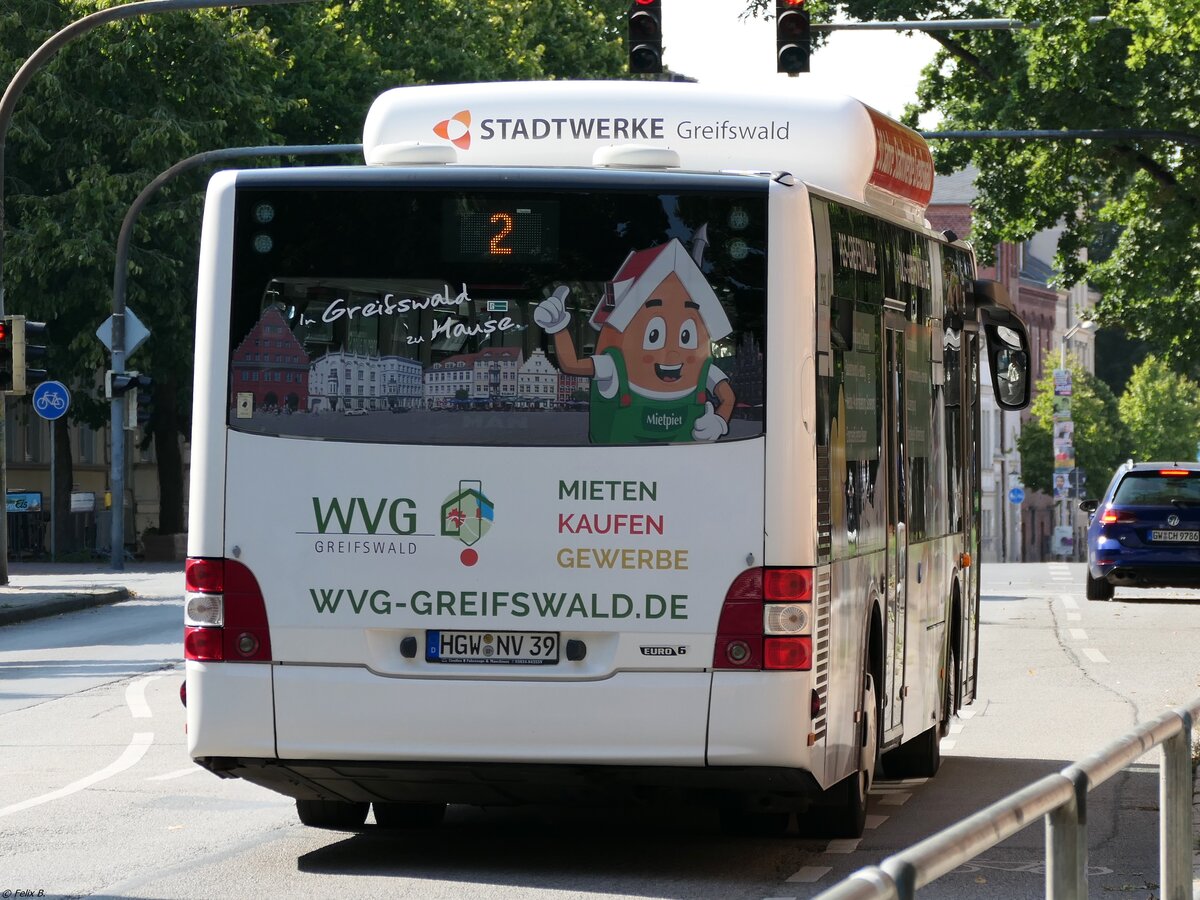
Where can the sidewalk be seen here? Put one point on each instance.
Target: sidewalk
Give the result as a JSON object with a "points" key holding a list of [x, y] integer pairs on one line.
{"points": [[35, 590]]}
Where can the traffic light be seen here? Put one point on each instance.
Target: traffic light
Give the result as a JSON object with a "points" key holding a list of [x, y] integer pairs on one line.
{"points": [[16, 352], [6, 355], [141, 403], [793, 36], [645, 37], [137, 404], [29, 345]]}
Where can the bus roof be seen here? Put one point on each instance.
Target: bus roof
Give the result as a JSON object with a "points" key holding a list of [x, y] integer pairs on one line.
{"points": [[831, 141]]}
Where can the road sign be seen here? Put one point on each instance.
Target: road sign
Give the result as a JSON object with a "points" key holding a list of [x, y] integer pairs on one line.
{"points": [[51, 399], [1016, 495], [135, 332]]}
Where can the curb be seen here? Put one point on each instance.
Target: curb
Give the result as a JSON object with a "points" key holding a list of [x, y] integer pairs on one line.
{"points": [[65, 603]]}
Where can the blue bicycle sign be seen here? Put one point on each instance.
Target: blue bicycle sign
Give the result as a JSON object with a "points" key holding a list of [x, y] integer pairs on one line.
{"points": [[51, 399]]}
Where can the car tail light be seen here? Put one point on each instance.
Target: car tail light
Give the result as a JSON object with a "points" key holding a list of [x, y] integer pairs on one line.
{"points": [[225, 615], [766, 621], [1175, 473], [1117, 516]]}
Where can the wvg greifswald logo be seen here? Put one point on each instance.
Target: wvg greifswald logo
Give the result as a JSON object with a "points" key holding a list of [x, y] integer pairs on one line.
{"points": [[467, 514]]}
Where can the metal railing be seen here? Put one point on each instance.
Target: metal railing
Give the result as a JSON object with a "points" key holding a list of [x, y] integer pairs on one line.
{"points": [[1062, 799]]}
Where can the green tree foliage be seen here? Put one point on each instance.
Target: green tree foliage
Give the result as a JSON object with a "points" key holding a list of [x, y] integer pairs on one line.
{"points": [[1134, 203], [1161, 409], [119, 106], [1101, 440]]}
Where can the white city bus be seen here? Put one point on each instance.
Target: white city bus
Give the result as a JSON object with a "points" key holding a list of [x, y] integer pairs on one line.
{"points": [[594, 439]]}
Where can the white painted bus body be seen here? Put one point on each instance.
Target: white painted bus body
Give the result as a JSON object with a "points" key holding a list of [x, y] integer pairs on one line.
{"points": [[338, 689]]}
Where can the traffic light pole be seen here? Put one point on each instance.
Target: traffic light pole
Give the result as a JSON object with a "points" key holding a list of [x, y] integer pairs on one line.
{"points": [[120, 282], [8, 103]]}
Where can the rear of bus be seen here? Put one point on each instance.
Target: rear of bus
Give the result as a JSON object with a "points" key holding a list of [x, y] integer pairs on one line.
{"points": [[477, 511]]}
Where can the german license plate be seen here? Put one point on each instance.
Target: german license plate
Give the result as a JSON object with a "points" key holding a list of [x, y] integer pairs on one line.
{"points": [[1175, 537], [504, 648]]}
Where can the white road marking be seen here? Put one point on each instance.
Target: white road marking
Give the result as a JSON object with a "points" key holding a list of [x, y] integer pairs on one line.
{"points": [[809, 874], [1094, 655], [946, 744], [1078, 634], [1070, 603], [894, 799], [178, 773], [845, 845], [131, 757], [966, 713], [875, 821], [1073, 617], [956, 727], [135, 698]]}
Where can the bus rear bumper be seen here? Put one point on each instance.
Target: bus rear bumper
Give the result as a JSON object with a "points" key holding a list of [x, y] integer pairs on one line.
{"points": [[509, 784], [630, 718]]}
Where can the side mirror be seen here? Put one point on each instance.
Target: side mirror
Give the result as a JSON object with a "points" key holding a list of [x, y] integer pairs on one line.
{"points": [[1008, 359], [1007, 344], [1089, 506]]}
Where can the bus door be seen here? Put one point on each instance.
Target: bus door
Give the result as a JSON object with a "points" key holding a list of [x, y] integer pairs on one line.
{"points": [[896, 611]]}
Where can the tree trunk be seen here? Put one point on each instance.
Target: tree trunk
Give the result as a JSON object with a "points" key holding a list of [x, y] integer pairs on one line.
{"points": [[64, 480], [166, 431]]}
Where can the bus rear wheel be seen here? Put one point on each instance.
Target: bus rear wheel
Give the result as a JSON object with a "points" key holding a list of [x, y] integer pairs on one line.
{"points": [[336, 815], [842, 811]]}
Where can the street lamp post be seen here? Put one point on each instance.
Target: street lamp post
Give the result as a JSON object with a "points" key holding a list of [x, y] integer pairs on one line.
{"points": [[120, 281], [8, 103], [1064, 445]]}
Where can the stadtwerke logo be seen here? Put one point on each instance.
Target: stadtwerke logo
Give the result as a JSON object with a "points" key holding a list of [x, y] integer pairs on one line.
{"points": [[456, 129]]}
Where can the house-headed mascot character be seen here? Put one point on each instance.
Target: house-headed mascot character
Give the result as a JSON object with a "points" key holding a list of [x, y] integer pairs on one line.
{"points": [[653, 378]]}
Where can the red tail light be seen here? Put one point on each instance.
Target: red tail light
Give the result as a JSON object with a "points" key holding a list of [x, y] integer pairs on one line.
{"points": [[1175, 473], [1114, 516], [205, 576], [742, 643], [203, 644], [787, 653], [787, 584], [244, 634]]}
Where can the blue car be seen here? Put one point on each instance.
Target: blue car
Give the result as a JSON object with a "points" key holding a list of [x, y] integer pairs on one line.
{"points": [[1145, 531]]}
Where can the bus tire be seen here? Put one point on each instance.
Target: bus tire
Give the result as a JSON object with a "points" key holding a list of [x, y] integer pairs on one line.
{"points": [[1097, 588], [950, 690], [336, 815], [409, 815], [842, 812]]}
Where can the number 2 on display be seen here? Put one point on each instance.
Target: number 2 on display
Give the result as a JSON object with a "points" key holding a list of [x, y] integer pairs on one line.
{"points": [[496, 244]]}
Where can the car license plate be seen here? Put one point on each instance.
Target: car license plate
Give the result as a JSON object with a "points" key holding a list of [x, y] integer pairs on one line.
{"points": [[1175, 537], [512, 648]]}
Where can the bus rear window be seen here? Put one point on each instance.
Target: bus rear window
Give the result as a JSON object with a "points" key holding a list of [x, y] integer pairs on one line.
{"points": [[517, 318]]}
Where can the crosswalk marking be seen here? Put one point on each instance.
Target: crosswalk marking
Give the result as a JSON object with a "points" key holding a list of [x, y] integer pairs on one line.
{"points": [[843, 845], [809, 874]]}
